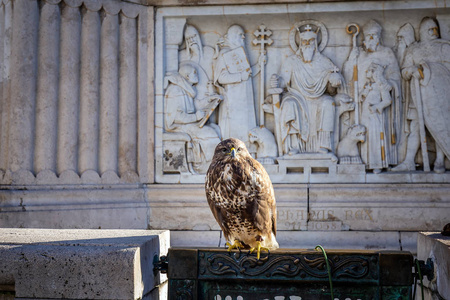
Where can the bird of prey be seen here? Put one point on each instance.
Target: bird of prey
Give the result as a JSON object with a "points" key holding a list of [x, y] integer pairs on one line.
{"points": [[241, 197]]}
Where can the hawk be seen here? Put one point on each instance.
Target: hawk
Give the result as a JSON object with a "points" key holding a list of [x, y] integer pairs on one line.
{"points": [[241, 197]]}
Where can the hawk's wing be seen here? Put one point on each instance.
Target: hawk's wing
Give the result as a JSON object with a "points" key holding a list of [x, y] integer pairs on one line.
{"points": [[214, 194], [261, 204]]}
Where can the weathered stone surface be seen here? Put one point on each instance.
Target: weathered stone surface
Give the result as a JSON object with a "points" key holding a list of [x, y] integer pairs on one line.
{"points": [[69, 207], [402, 207], [81, 264], [437, 247], [185, 207]]}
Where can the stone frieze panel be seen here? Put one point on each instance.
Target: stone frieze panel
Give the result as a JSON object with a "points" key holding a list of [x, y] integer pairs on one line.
{"points": [[320, 97]]}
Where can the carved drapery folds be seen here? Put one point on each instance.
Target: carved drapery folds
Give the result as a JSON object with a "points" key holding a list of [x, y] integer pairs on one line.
{"points": [[301, 110], [69, 91]]}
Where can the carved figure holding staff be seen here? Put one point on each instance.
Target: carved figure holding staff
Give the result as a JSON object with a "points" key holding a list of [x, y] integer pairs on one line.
{"points": [[427, 66], [372, 51], [233, 75]]}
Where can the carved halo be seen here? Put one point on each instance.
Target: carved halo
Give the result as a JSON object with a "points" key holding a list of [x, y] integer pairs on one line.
{"points": [[322, 30]]}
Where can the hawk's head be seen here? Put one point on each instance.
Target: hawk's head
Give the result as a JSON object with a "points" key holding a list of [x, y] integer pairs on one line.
{"points": [[230, 149]]}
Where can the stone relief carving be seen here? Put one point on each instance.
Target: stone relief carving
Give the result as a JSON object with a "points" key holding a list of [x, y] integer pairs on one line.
{"points": [[232, 74], [182, 116], [310, 114], [362, 60], [307, 109], [426, 71], [267, 147], [347, 150], [375, 98]]}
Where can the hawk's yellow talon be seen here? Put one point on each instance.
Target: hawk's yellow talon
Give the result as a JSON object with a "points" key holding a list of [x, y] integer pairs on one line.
{"points": [[236, 245], [258, 249]]}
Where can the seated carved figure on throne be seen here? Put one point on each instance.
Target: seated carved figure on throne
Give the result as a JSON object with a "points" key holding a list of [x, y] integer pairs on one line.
{"points": [[182, 116], [308, 110]]}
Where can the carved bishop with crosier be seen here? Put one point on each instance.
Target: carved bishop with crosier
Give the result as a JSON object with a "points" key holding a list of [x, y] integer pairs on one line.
{"points": [[308, 109]]}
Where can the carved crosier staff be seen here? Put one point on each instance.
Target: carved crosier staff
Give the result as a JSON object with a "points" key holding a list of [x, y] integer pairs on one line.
{"points": [[355, 33], [262, 33]]}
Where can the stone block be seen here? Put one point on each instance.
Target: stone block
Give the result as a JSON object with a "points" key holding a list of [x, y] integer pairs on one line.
{"points": [[408, 241], [81, 264], [402, 207], [437, 247], [184, 207], [75, 207]]}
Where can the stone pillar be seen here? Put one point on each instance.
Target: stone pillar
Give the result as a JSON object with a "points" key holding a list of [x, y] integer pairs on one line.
{"points": [[23, 84], [109, 94], [69, 91], [5, 79], [47, 89], [89, 92], [128, 96]]}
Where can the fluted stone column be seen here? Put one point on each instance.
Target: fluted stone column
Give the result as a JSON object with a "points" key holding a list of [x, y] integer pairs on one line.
{"points": [[69, 89], [23, 84], [47, 89], [128, 96], [109, 94], [89, 92], [5, 80]]}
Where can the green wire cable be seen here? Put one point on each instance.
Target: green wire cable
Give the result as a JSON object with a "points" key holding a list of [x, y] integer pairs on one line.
{"points": [[328, 268], [420, 278]]}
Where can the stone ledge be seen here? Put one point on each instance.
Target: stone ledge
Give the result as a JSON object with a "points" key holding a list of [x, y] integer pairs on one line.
{"points": [[437, 247], [355, 240], [82, 264]]}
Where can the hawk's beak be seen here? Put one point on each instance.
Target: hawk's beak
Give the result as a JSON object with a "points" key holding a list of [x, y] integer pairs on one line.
{"points": [[233, 153]]}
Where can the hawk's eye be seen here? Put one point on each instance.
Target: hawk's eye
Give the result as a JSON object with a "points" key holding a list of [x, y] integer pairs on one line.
{"points": [[239, 149], [224, 150]]}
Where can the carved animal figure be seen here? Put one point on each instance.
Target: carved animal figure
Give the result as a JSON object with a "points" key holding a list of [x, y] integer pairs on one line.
{"points": [[267, 146], [347, 150], [241, 198]]}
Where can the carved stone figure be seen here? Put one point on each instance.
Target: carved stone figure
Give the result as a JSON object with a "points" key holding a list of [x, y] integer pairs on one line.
{"points": [[200, 57], [375, 98], [307, 110], [405, 37], [347, 150], [232, 73], [181, 115], [267, 146], [195, 51], [372, 51], [427, 66]]}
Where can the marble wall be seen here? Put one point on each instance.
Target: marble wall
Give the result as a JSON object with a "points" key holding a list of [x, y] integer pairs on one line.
{"points": [[109, 111], [75, 74]]}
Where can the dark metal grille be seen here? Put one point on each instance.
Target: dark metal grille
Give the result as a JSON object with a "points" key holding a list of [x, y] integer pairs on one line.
{"points": [[289, 274]]}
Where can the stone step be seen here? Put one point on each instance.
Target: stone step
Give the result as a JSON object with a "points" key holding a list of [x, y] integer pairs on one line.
{"points": [[82, 264]]}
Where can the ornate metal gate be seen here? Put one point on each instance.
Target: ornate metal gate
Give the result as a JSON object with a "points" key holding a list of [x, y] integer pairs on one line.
{"points": [[289, 274]]}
